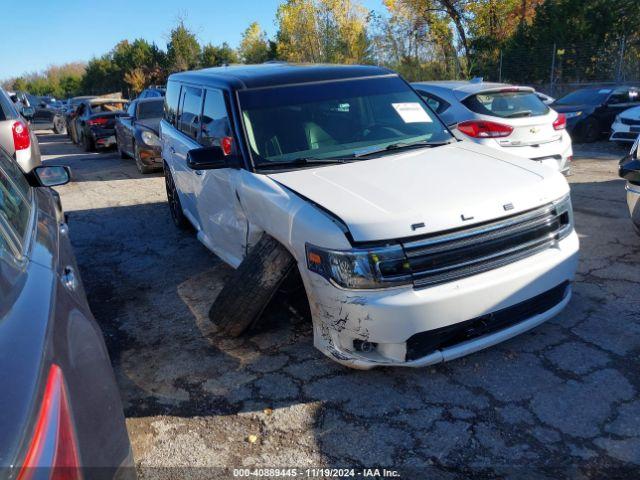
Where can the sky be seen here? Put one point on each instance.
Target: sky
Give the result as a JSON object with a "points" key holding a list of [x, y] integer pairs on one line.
{"points": [[50, 32]]}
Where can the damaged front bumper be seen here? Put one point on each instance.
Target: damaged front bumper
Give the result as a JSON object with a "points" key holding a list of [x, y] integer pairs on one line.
{"points": [[411, 327]]}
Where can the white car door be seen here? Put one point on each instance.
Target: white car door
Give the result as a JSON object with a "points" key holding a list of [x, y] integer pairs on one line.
{"points": [[222, 219]]}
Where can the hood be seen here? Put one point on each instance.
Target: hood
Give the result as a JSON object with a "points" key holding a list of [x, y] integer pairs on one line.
{"points": [[444, 188], [632, 113], [573, 108], [152, 124]]}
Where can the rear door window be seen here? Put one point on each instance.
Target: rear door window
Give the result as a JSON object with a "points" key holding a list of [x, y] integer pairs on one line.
{"points": [[436, 104], [171, 101], [189, 116], [15, 205], [215, 119], [511, 104]]}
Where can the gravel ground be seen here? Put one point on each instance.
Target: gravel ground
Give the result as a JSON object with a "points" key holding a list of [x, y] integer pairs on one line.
{"points": [[560, 400]]}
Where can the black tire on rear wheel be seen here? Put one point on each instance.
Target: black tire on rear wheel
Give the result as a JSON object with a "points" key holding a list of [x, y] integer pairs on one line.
{"points": [[175, 207], [121, 152], [251, 287], [590, 130], [88, 144]]}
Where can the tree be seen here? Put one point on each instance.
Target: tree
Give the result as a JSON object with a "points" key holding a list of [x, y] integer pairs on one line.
{"points": [[254, 47], [136, 79], [322, 31], [215, 56], [183, 49]]}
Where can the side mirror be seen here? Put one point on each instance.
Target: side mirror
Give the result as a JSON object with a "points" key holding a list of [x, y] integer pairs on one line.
{"points": [[28, 112], [52, 175], [210, 158]]}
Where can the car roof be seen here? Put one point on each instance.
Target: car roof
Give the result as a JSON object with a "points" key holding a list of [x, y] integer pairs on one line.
{"points": [[273, 74], [465, 88]]}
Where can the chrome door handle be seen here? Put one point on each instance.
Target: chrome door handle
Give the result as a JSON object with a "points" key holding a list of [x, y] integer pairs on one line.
{"points": [[69, 279], [172, 150]]}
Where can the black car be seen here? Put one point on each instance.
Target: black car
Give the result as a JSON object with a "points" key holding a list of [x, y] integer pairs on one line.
{"points": [[137, 133], [60, 409], [69, 114], [95, 120], [591, 111]]}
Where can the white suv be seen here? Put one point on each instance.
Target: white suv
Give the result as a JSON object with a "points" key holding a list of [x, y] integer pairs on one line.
{"points": [[511, 118], [413, 247]]}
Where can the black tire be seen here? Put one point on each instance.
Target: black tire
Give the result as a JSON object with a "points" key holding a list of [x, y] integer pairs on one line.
{"points": [[88, 144], [251, 287], [175, 207], [590, 131], [121, 152]]}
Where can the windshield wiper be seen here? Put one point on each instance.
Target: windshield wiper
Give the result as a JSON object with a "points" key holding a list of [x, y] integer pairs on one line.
{"points": [[302, 161], [400, 146]]}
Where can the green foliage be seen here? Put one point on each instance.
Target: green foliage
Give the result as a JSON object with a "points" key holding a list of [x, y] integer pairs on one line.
{"points": [[254, 47], [183, 49], [216, 56]]}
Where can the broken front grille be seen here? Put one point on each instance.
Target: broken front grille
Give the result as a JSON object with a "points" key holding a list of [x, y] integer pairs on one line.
{"points": [[467, 252]]}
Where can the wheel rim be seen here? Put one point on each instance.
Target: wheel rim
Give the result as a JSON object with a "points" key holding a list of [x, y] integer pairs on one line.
{"points": [[172, 197]]}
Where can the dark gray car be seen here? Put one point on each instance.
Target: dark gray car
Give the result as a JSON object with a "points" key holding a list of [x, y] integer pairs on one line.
{"points": [[59, 402]]}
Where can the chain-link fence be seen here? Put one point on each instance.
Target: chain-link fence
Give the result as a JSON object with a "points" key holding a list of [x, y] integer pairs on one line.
{"points": [[557, 69]]}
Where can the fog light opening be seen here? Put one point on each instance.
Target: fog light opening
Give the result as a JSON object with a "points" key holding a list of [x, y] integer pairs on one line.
{"points": [[364, 346]]}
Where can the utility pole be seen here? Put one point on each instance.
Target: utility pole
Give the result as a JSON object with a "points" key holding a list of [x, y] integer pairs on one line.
{"points": [[553, 68], [500, 73], [620, 60]]}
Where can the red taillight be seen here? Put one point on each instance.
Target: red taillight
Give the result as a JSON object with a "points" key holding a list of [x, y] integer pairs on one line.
{"points": [[560, 122], [484, 129], [226, 144], [21, 139], [53, 445], [97, 122]]}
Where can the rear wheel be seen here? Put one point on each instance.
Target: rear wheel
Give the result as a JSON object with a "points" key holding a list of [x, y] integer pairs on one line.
{"points": [[121, 152], [88, 143], [590, 130], [59, 126], [175, 207], [251, 287]]}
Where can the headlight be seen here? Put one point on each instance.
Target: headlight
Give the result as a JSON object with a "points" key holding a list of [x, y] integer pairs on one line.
{"points": [[360, 268], [564, 212], [150, 139], [572, 114]]}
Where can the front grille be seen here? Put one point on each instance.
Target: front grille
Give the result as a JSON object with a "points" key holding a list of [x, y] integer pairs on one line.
{"points": [[629, 121], [462, 253], [423, 343]]}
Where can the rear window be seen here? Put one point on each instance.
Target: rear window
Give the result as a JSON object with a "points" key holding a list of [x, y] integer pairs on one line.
{"points": [[107, 107], [506, 104], [150, 109], [171, 102]]}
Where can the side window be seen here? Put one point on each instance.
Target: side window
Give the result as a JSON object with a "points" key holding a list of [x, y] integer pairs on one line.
{"points": [[15, 174], [14, 207], [131, 111], [171, 103], [215, 119], [189, 115], [435, 103]]}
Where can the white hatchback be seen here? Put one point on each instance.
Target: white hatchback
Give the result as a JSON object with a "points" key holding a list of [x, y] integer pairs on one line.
{"points": [[510, 118]]}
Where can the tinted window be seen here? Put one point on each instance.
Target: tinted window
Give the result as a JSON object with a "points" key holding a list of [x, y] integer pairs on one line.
{"points": [[586, 96], [171, 102], [623, 95], [190, 108], [506, 104], [215, 119], [333, 119], [150, 109], [108, 107], [435, 103], [15, 174], [14, 206]]}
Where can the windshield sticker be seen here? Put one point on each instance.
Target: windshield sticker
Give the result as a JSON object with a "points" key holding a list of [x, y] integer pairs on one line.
{"points": [[605, 90], [412, 112]]}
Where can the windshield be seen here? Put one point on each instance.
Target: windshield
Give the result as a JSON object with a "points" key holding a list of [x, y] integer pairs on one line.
{"points": [[150, 109], [511, 104], [336, 119], [587, 96]]}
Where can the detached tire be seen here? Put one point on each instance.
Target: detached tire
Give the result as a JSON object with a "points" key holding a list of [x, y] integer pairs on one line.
{"points": [[251, 287]]}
